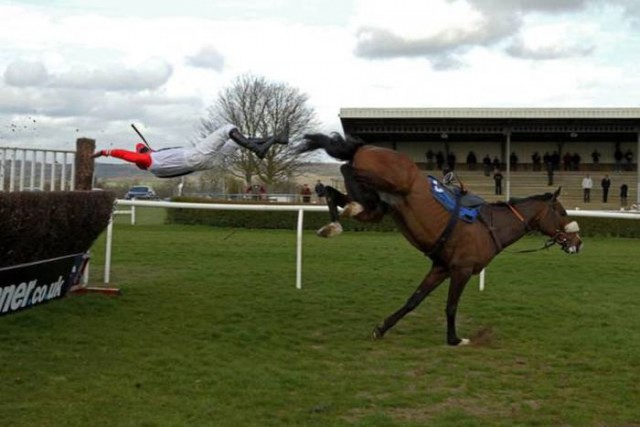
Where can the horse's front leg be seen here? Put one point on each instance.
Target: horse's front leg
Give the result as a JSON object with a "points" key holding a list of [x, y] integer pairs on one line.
{"points": [[435, 277], [335, 199], [459, 279]]}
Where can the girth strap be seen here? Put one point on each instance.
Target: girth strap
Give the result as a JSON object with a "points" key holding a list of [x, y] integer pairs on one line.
{"points": [[453, 220]]}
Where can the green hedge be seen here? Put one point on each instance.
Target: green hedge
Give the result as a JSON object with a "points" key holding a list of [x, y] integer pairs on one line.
{"points": [[314, 220], [42, 225]]}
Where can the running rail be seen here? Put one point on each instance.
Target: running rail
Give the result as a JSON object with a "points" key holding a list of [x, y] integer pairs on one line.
{"points": [[300, 209]]}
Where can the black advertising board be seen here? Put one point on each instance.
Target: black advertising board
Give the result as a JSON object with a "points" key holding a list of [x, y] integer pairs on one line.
{"points": [[25, 285]]}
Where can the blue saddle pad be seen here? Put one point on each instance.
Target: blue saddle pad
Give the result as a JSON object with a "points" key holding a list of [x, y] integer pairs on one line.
{"points": [[447, 198]]}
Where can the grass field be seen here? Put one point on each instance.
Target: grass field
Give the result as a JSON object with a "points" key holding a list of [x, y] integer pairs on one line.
{"points": [[211, 331]]}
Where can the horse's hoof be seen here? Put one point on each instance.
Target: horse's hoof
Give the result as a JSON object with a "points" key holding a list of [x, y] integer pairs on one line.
{"points": [[377, 333], [352, 209], [330, 230], [460, 342], [464, 341]]}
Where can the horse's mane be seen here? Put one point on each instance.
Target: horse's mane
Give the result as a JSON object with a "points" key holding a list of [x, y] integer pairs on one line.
{"points": [[515, 200]]}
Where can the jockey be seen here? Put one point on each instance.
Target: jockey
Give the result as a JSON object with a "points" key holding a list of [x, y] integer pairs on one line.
{"points": [[178, 161]]}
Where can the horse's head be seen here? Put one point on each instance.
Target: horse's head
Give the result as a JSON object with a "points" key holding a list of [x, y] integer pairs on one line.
{"points": [[554, 222]]}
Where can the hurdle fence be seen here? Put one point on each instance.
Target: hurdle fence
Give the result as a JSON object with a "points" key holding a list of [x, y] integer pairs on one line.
{"points": [[301, 209], [23, 169]]}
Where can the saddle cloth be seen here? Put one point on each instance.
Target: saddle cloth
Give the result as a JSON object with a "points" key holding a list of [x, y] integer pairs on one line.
{"points": [[447, 196]]}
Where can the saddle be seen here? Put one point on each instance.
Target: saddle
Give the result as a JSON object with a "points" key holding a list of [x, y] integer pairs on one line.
{"points": [[452, 199]]}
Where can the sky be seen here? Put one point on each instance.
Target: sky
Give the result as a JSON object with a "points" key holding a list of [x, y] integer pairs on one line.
{"points": [[90, 68]]}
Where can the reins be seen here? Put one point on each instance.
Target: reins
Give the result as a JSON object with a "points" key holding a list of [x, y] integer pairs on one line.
{"points": [[550, 242]]}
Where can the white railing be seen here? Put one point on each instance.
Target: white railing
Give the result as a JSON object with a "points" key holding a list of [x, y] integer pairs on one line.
{"points": [[213, 206], [300, 209], [32, 169]]}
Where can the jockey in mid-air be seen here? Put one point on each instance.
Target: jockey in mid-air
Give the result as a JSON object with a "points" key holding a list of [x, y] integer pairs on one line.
{"points": [[178, 161]]}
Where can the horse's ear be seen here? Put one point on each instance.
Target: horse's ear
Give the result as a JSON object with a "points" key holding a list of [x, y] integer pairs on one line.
{"points": [[557, 193]]}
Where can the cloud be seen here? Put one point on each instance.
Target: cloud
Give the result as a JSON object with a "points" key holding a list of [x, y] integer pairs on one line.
{"points": [[520, 49], [25, 73], [113, 77], [207, 57], [451, 28]]}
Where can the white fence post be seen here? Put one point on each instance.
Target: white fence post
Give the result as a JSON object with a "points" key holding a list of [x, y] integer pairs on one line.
{"points": [[299, 249], [53, 172], [107, 252], [23, 158], [42, 167]]}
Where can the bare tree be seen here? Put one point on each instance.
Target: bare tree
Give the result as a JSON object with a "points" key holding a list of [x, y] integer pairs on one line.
{"points": [[260, 108]]}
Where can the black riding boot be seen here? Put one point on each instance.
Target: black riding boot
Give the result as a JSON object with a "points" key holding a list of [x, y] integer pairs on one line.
{"points": [[257, 145]]}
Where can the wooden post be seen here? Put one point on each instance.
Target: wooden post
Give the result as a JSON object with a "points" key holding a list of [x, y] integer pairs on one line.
{"points": [[84, 163]]}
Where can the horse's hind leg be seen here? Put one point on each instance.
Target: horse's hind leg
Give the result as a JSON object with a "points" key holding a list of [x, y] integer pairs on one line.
{"points": [[435, 277], [335, 199], [459, 279]]}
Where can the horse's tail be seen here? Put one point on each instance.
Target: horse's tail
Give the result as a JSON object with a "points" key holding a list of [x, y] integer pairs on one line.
{"points": [[335, 145]]}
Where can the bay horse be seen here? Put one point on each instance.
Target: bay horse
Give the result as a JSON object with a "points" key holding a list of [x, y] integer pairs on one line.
{"points": [[381, 181]]}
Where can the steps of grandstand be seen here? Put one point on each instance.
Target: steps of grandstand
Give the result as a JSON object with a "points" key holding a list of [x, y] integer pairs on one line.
{"points": [[527, 183]]}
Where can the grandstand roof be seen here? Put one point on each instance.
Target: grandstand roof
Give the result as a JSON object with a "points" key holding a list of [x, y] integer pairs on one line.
{"points": [[533, 124]]}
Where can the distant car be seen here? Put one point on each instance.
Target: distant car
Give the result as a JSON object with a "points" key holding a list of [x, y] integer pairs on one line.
{"points": [[140, 192]]}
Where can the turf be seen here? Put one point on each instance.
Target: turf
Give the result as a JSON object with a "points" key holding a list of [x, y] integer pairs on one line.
{"points": [[210, 330]]}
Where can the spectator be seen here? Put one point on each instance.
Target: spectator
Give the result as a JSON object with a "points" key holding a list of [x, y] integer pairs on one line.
{"points": [[471, 161], [321, 192], [575, 162], [605, 184], [513, 159], [486, 164], [497, 178], [595, 156], [451, 161], [429, 155], [628, 156], [535, 159], [618, 156], [587, 185], [439, 160], [496, 163], [555, 160], [549, 173], [566, 161], [305, 192], [624, 188]]}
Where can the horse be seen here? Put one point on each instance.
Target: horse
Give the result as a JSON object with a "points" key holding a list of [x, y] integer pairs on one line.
{"points": [[381, 181]]}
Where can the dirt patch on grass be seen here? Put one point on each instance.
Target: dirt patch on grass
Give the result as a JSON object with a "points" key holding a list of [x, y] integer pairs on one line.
{"points": [[483, 337]]}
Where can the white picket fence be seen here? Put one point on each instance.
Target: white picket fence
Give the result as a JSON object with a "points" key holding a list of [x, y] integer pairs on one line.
{"points": [[23, 169], [294, 208]]}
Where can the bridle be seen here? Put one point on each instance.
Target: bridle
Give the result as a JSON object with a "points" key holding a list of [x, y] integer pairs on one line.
{"points": [[558, 236]]}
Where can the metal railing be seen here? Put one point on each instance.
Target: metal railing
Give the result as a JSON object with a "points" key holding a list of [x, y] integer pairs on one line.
{"points": [[23, 169]]}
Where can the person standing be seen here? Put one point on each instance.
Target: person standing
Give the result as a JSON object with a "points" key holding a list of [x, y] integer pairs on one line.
{"points": [[321, 192], [497, 178], [587, 185], [305, 192], [624, 189], [549, 172], [486, 163], [605, 184]]}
